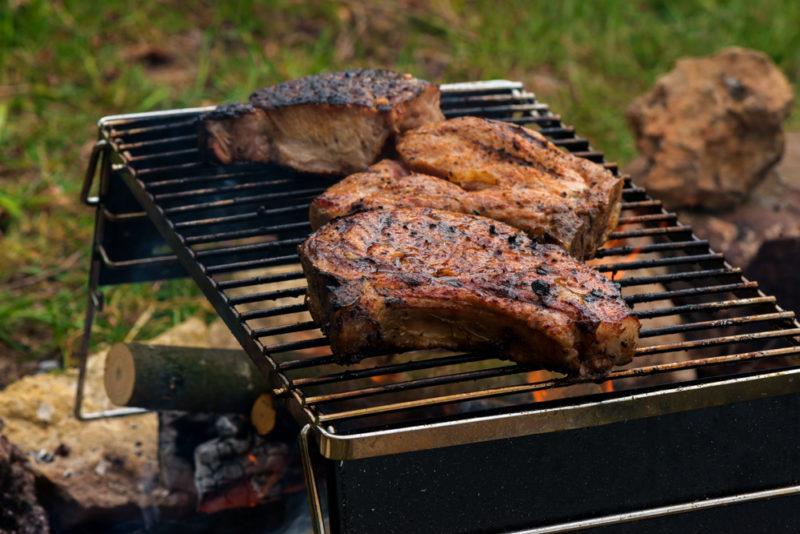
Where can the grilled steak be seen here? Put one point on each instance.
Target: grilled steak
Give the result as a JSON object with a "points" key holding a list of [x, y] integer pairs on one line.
{"points": [[418, 278], [523, 180], [328, 123], [389, 184]]}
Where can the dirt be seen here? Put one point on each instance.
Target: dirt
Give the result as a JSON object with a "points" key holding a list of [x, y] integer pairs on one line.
{"points": [[20, 511], [96, 472]]}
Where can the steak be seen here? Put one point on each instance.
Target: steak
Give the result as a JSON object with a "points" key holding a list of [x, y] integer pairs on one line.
{"points": [[418, 278], [523, 180], [388, 184], [333, 123]]}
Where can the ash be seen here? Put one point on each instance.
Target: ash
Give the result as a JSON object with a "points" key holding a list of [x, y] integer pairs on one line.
{"points": [[239, 467]]}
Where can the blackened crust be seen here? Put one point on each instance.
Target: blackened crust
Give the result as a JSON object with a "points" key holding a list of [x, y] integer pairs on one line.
{"points": [[371, 88], [406, 279], [227, 111]]}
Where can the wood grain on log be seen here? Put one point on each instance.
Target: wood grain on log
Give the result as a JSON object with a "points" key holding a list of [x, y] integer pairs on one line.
{"points": [[159, 377]]}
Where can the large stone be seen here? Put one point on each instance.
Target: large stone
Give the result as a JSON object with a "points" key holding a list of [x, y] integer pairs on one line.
{"points": [[711, 129], [101, 471], [771, 212]]}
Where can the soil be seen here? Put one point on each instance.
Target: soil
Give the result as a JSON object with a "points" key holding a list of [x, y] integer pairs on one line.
{"points": [[20, 511]]}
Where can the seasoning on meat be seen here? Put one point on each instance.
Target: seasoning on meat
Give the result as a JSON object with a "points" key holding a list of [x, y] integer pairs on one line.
{"points": [[327, 123], [418, 278], [498, 170]]}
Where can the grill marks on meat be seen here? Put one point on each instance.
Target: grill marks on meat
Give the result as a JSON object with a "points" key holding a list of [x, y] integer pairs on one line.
{"points": [[407, 279], [332, 123], [388, 184], [523, 180], [482, 167]]}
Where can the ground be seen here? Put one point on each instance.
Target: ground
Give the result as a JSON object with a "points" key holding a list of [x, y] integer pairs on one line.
{"points": [[64, 64]]}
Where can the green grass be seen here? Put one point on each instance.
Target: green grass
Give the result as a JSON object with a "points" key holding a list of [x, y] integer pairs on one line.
{"points": [[63, 64]]}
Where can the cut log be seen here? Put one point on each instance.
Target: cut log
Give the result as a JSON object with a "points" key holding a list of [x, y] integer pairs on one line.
{"points": [[262, 415], [159, 377]]}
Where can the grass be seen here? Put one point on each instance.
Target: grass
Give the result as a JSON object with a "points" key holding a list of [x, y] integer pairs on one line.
{"points": [[63, 64]]}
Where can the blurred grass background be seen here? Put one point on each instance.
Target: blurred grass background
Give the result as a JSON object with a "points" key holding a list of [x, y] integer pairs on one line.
{"points": [[64, 64]]}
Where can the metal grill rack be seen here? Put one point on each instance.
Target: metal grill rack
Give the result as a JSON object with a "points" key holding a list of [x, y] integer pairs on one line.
{"points": [[235, 229]]}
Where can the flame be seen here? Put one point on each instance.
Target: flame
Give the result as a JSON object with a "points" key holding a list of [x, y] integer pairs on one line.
{"points": [[252, 458], [549, 394], [542, 394], [607, 386], [385, 379], [616, 275], [379, 379]]}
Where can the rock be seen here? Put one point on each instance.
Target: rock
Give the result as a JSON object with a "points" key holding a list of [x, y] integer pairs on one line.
{"points": [[73, 490], [771, 212], [100, 471], [46, 366], [711, 129], [44, 412], [20, 510], [769, 267]]}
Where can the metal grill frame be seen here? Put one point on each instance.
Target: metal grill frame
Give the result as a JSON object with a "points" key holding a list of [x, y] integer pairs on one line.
{"points": [[116, 167]]}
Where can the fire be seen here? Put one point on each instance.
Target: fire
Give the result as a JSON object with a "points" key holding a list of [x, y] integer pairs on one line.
{"points": [[607, 386], [616, 275], [542, 394], [611, 275], [381, 379], [549, 394]]}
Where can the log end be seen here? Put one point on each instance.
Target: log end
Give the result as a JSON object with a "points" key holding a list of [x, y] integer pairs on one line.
{"points": [[263, 414], [119, 375]]}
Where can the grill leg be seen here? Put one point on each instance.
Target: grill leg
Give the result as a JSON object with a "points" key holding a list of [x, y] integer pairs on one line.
{"points": [[314, 501], [94, 304]]}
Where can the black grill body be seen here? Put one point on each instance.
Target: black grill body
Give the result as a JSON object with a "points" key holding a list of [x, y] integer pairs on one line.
{"points": [[562, 477]]}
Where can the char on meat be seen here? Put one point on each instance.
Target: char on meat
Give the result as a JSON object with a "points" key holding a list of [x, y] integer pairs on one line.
{"points": [[333, 123], [419, 278], [490, 168]]}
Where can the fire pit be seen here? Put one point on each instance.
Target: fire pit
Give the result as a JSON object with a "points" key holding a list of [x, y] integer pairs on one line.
{"points": [[443, 442]]}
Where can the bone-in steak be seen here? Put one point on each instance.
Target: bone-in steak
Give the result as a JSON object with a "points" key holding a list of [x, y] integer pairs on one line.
{"points": [[327, 123], [523, 180], [389, 184], [406, 279]]}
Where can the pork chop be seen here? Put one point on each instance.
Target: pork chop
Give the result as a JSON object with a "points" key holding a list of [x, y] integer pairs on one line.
{"points": [[389, 184], [525, 180], [333, 123], [418, 278]]}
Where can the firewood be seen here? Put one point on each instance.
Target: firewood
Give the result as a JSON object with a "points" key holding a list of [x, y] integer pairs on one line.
{"points": [[159, 377], [262, 415]]}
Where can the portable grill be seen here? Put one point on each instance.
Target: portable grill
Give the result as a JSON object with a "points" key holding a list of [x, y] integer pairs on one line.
{"points": [[441, 442]]}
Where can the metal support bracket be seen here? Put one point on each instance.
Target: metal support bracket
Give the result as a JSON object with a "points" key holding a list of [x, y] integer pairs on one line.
{"points": [[98, 150], [314, 502], [94, 302]]}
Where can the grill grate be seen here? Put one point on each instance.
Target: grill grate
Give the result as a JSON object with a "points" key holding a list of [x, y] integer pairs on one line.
{"points": [[235, 230]]}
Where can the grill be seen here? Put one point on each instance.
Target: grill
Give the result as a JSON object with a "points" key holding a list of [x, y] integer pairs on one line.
{"points": [[163, 212]]}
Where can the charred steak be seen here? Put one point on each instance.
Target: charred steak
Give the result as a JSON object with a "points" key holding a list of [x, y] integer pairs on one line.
{"points": [[522, 179], [389, 184], [327, 123], [418, 278]]}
